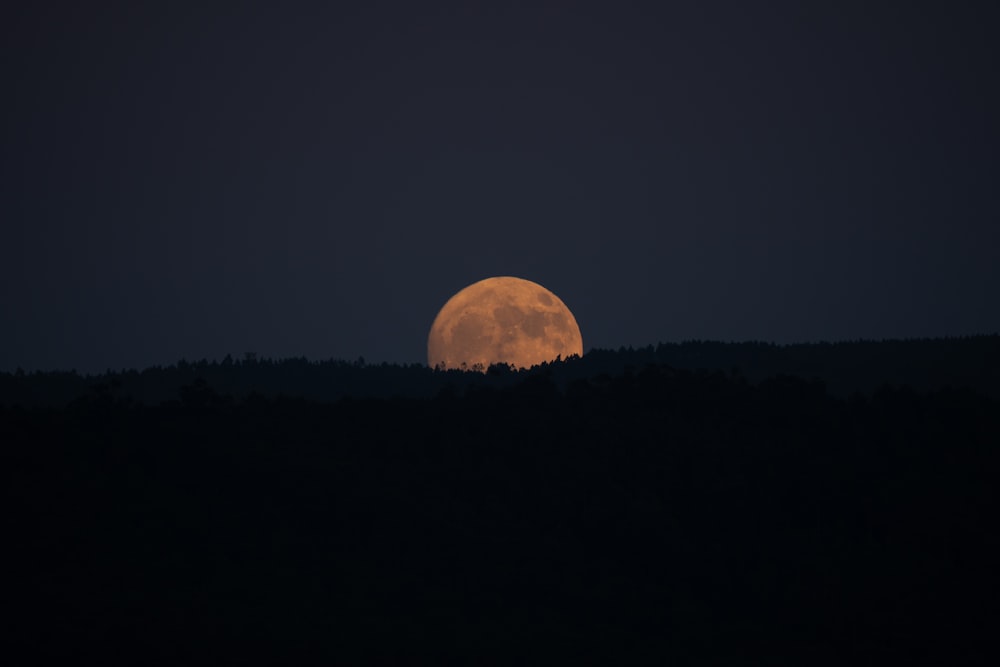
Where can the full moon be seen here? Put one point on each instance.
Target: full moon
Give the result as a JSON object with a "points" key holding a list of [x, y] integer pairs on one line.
{"points": [[502, 320]]}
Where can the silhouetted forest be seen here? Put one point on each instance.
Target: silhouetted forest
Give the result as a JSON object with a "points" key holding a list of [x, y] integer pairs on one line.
{"points": [[698, 503], [849, 367]]}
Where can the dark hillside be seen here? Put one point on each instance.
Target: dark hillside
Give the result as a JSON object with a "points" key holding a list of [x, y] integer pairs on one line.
{"points": [[657, 515]]}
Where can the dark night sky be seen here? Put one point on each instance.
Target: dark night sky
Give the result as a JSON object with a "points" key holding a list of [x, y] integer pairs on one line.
{"points": [[318, 178]]}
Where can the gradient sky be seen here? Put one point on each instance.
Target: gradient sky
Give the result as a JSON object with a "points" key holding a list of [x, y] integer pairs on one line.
{"points": [[318, 179]]}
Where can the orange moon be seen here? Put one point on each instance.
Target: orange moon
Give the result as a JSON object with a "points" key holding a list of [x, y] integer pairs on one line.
{"points": [[502, 320]]}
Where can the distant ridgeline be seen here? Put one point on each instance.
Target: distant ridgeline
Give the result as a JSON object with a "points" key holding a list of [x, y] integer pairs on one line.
{"points": [[700, 503], [845, 368]]}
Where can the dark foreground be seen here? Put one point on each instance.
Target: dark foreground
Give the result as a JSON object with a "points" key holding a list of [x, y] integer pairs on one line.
{"points": [[661, 515]]}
